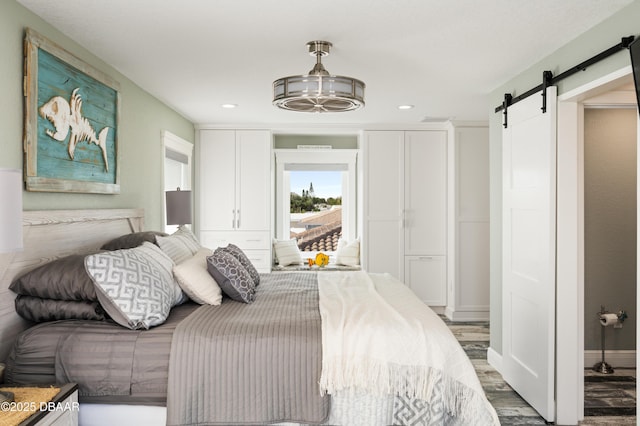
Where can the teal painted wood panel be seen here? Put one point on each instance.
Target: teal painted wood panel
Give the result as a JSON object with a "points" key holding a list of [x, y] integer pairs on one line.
{"points": [[99, 107]]}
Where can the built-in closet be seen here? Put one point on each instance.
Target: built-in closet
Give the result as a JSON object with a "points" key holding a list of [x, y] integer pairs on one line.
{"points": [[422, 212], [233, 192], [405, 232], [426, 216]]}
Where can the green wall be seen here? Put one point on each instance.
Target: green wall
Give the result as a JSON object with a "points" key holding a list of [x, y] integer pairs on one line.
{"points": [[142, 118], [289, 141], [599, 38]]}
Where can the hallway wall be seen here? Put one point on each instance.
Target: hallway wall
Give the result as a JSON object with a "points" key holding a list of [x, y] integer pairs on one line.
{"points": [[610, 223]]}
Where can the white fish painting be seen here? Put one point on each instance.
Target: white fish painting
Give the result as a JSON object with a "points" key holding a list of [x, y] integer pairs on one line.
{"points": [[67, 117]]}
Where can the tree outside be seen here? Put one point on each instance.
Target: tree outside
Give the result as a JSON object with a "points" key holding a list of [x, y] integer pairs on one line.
{"points": [[306, 203]]}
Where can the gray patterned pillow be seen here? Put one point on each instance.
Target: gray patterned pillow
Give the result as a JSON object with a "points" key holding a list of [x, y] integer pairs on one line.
{"points": [[237, 252], [231, 276], [179, 246], [135, 286]]}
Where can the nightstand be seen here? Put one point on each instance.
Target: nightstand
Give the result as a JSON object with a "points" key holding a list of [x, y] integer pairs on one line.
{"points": [[62, 410]]}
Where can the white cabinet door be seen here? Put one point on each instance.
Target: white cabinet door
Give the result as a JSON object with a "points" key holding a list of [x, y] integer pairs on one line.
{"points": [[253, 207], [425, 189], [469, 224], [383, 183], [405, 178], [216, 184], [234, 180], [426, 276]]}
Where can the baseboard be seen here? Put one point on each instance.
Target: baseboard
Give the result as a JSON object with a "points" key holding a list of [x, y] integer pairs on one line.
{"points": [[619, 358], [448, 312], [471, 315], [494, 359]]}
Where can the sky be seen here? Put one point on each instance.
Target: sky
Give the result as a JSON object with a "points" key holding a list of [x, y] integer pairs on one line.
{"points": [[325, 184]]}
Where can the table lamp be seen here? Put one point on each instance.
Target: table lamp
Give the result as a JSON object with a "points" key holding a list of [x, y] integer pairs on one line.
{"points": [[178, 207]]}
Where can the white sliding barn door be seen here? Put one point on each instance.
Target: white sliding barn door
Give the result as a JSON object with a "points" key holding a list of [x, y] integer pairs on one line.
{"points": [[529, 251]]}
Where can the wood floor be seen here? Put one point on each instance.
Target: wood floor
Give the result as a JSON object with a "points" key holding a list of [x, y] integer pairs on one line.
{"points": [[609, 399]]}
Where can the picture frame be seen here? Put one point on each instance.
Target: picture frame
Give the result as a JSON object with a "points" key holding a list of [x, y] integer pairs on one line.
{"points": [[71, 131]]}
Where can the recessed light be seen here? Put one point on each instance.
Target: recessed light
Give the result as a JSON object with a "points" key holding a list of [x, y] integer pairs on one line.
{"points": [[229, 106], [405, 106]]}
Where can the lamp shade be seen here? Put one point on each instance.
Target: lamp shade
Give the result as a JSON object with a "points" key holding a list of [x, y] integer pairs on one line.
{"points": [[178, 207], [10, 210]]}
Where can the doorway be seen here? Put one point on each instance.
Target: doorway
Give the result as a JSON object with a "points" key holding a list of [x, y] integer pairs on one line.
{"points": [[571, 238], [610, 230], [610, 165]]}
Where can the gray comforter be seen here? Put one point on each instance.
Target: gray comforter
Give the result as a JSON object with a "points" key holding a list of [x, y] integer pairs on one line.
{"points": [[250, 363], [110, 363]]}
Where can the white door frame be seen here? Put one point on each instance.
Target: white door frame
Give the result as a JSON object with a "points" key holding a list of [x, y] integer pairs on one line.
{"points": [[570, 247]]}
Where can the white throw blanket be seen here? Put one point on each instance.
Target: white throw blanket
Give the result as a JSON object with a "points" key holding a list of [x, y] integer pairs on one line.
{"points": [[377, 336]]}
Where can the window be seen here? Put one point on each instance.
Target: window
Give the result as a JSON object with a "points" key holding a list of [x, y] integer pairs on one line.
{"points": [[177, 168], [338, 162], [315, 208]]}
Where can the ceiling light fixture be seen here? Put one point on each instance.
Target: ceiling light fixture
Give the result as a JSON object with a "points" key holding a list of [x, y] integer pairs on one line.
{"points": [[318, 91], [405, 106]]}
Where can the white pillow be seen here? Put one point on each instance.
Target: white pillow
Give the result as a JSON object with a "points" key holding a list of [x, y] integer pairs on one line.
{"points": [[348, 253], [287, 252], [195, 280]]}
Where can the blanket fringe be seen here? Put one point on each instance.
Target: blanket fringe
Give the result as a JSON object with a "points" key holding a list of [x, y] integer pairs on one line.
{"points": [[377, 377], [414, 382], [466, 405]]}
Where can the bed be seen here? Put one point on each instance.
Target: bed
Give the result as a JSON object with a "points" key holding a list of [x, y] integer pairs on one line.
{"points": [[307, 348]]}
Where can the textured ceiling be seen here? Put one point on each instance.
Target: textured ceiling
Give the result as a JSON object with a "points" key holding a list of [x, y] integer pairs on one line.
{"points": [[443, 56]]}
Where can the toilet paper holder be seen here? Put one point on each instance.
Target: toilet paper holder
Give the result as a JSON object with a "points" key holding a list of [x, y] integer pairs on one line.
{"points": [[608, 318]]}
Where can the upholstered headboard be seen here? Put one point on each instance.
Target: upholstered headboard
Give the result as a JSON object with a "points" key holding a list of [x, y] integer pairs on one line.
{"points": [[51, 234]]}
